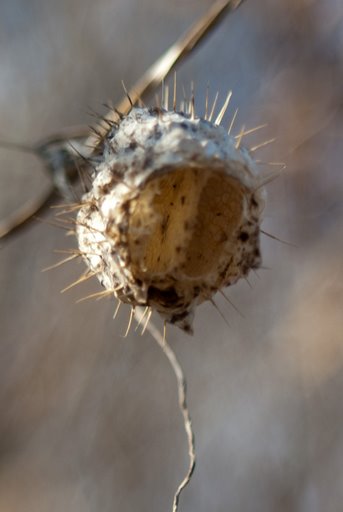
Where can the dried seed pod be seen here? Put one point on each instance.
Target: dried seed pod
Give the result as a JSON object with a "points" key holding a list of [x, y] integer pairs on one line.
{"points": [[173, 214]]}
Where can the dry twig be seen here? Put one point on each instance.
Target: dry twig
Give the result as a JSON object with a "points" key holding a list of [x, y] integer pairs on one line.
{"points": [[182, 396], [56, 149]]}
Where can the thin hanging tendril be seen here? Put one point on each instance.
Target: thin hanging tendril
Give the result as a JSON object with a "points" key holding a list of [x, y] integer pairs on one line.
{"points": [[182, 398]]}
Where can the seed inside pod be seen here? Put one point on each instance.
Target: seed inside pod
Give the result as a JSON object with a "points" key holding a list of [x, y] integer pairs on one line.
{"points": [[173, 214]]}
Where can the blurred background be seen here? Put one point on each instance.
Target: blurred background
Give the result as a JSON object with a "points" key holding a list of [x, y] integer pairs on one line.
{"points": [[89, 420]]}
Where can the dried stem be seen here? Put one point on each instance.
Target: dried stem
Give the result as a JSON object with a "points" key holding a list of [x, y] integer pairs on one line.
{"points": [[162, 67], [54, 148], [25, 212], [182, 396]]}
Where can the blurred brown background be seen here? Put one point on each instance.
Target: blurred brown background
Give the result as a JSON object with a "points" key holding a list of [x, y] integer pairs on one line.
{"points": [[89, 420]]}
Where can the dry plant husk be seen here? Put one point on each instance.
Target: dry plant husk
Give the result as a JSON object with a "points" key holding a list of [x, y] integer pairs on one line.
{"points": [[173, 214]]}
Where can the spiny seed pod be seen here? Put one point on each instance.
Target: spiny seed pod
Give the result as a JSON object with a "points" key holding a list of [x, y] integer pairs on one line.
{"points": [[173, 214]]}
